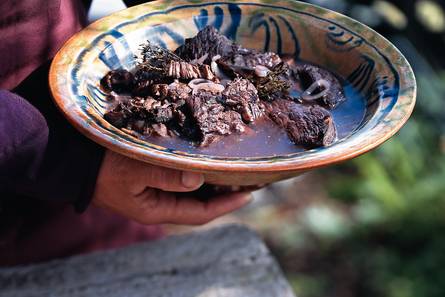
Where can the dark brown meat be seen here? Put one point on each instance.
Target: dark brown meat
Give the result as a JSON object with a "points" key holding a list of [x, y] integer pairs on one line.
{"points": [[187, 71], [308, 74], [206, 72], [162, 114], [183, 70], [241, 96], [145, 77], [159, 90], [207, 42], [116, 118], [211, 121], [309, 126], [126, 111], [160, 130], [136, 110], [119, 81], [250, 58], [178, 91], [178, 94], [212, 43]]}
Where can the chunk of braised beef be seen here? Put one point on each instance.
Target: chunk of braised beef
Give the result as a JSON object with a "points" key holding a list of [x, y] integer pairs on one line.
{"points": [[150, 103], [206, 72], [162, 112], [160, 130], [232, 71], [187, 71], [208, 42], [123, 111], [137, 125], [142, 88], [210, 119], [159, 90], [135, 107], [116, 118], [180, 118], [241, 96], [119, 81], [144, 78], [309, 126], [250, 58], [178, 91], [183, 70], [309, 74]]}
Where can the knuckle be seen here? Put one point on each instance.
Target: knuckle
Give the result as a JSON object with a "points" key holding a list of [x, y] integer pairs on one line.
{"points": [[149, 200], [165, 179]]}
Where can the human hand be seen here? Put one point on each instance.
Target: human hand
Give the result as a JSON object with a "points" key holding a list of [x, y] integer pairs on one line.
{"points": [[146, 193]]}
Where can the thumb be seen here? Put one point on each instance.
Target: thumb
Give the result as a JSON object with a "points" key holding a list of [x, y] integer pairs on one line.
{"points": [[166, 179]]}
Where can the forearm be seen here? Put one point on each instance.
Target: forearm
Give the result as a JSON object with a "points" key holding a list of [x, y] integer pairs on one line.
{"points": [[42, 156], [23, 139]]}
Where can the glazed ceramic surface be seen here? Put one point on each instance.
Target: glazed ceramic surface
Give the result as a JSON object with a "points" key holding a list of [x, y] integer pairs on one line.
{"points": [[357, 53]]}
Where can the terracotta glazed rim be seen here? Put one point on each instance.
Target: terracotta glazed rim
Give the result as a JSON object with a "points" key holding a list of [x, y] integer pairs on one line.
{"points": [[180, 160]]}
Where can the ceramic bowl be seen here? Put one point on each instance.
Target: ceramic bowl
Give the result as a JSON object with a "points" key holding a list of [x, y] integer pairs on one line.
{"points": [[352, 50]]}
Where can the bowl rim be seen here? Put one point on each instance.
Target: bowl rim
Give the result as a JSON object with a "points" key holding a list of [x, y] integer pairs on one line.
{"points": [[197, 162]]}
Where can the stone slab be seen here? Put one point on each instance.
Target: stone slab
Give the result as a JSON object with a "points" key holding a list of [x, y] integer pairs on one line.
{"points": [[229, 261]]}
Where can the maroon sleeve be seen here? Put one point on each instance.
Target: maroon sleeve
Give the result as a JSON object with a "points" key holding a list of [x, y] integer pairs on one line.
{"points": [[41, 156]]}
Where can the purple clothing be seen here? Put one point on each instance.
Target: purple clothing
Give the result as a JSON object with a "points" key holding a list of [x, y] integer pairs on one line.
{"points": [[22, 145], [45, 164], [43, 158], [31, 32]]}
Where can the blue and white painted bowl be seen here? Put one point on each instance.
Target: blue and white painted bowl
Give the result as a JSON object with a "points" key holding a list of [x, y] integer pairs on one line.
{"points": [[352, 50]]}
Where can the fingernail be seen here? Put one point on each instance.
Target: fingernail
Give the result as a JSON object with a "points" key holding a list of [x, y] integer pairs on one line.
{"points": [[192, 179]]}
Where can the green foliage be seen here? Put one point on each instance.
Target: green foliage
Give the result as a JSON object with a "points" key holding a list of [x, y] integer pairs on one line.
{"points": [[310, 285]]}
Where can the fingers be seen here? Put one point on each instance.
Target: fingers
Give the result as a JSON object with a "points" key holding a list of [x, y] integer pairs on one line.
{"points": [[146, 193], [190, 211], [138, 175], [166, 179], [156, 206]]}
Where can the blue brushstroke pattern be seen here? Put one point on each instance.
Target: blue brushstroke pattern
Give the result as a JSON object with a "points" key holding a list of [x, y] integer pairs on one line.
{"points": [[278, 32], [202, 19], [108, 56], [294, 37], [255, 23], [219, 17], [341, 45], [235, 21], [360, 77]]}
